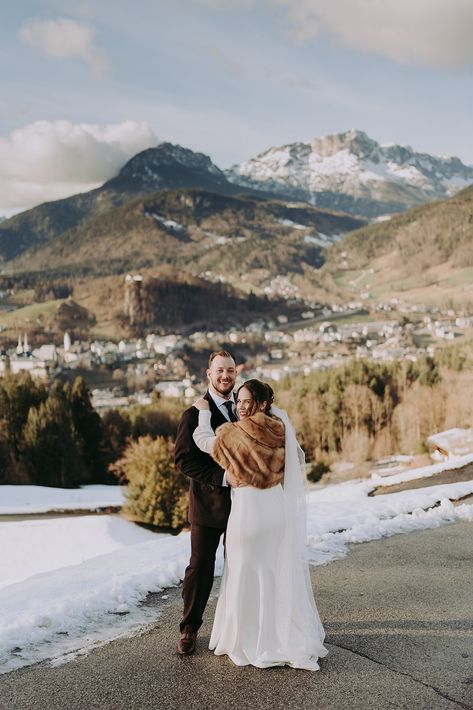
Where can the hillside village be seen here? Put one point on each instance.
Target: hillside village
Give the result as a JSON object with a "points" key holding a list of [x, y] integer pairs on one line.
{"points": [[128, 370]]}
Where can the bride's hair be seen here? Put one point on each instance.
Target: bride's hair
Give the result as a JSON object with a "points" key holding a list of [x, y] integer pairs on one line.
{"points": [[260, 391]]}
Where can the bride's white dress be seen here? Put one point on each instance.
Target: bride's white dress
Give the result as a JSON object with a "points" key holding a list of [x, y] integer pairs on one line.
{"points": [[266, 614]]}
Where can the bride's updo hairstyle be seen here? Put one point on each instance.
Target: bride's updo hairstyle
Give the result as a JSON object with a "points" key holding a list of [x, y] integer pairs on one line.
{"points": [[260, 391]]}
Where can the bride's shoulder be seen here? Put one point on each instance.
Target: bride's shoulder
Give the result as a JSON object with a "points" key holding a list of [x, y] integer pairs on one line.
{"points": [[278, 412], [276, 422]]}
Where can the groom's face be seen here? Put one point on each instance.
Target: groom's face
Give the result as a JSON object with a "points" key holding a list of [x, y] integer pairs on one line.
{"points": [[222, 375]]}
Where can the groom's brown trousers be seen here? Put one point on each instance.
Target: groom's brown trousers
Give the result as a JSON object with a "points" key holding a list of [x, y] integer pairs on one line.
{"points": [[199, 575]]}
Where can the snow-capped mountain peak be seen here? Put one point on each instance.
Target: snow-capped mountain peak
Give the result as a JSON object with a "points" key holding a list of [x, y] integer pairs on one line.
{"points": [[353, 172]]}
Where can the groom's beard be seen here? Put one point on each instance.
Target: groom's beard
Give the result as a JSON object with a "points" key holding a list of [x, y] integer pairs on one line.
{"points": [[222, 389]]}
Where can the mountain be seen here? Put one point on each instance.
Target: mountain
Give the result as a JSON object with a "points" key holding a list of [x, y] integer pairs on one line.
{"points": [[170, 208], [347, 172], [204, 258], [241, 239], [169, 205], [424, 255], [351, 172], [165, 167]]}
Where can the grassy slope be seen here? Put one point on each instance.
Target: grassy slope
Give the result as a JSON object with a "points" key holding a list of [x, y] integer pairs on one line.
{"points": [[424, 255]]}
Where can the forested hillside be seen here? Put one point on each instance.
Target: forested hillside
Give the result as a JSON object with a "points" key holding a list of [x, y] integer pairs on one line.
{"points": [[364, 410]]}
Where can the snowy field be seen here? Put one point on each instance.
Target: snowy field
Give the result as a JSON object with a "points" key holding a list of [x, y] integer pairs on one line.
{"points": [[71, 583], [16, 500]]}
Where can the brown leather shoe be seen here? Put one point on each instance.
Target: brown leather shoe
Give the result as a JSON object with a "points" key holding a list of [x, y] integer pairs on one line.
{"points": [[186, 644]]}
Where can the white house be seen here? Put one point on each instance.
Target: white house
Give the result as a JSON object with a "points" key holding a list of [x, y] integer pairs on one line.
{"points": [[451, 443]]}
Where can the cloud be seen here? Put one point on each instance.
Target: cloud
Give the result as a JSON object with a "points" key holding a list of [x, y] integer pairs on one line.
{"points": [[65, 39], [438, 33], [47, 160], [435, 33]]}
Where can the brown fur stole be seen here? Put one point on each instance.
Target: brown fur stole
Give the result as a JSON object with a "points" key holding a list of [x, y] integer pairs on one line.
{"points": [[252, 449]]}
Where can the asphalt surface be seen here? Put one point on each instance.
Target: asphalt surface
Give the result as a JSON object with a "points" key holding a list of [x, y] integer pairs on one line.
{"points": [[399, 620]]}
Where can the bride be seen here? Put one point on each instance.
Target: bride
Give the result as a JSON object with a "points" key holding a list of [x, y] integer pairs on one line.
{"points": [[266, 614]]}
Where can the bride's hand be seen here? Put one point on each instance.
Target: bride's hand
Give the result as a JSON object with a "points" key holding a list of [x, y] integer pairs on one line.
{"points": [[201, 403]]}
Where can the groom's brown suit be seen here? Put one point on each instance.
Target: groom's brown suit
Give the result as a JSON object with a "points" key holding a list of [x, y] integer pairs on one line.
{"points": [[209, 508]]}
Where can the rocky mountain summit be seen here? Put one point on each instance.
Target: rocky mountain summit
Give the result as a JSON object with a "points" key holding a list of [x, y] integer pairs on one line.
{"points": [[169, 166], [351, 172]]}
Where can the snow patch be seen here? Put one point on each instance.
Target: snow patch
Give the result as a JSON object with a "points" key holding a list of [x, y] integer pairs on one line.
{"points": [[168, 223], [293, 225]]}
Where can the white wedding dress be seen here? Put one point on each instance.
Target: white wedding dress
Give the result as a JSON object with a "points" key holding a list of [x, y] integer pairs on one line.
{"points": [[266, 614]]}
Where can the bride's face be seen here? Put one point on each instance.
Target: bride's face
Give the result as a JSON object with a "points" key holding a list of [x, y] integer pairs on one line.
{"points": [[246, 405]]}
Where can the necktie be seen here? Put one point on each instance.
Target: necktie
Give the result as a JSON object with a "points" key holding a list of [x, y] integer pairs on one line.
{"points": [[229, 407]]}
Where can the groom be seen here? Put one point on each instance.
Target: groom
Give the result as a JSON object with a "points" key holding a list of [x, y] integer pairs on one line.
{"points": [[209, 495]]}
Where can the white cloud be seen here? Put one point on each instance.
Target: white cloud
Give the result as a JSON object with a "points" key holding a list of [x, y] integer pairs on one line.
{"points": [[433, 32], [436, 33], [65, 39], [47, 160]]}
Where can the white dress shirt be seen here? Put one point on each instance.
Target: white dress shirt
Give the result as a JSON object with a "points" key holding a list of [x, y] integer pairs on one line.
{"points": [[220, 402]]}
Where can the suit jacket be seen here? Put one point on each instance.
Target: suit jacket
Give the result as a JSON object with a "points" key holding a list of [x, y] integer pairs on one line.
{"points": [[209, 501]]}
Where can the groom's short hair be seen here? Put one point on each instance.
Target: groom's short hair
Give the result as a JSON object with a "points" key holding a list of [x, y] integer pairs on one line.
{"points": [[222, 353]]}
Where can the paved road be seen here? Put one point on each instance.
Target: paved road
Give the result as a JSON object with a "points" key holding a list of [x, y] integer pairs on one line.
{"points": [[399, 621]]}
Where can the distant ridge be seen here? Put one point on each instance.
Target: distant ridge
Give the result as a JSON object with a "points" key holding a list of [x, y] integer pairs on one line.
{"points": [[165, 167], [205, 231]]}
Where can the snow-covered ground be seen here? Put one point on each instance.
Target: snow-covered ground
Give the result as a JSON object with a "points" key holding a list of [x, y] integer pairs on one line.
{"points": [[42, 499], [30, 547], [71, 583]]}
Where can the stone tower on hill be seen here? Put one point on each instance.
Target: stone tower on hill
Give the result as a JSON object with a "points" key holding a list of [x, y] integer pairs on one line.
{"points": [[132, 302]]}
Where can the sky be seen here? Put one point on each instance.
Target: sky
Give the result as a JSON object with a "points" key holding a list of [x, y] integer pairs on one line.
{"points": [[87, 84]]}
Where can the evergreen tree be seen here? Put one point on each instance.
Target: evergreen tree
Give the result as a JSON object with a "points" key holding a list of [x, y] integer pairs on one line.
{"points": [[116, 423], [160, 418], [5, 473], [89, 432], [18, 394], [49, 450]]}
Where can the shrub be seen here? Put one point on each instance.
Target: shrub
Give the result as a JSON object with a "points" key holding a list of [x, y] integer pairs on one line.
{"points": [[157, 492]]}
